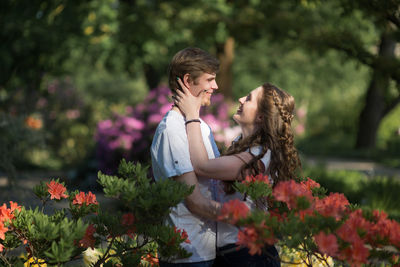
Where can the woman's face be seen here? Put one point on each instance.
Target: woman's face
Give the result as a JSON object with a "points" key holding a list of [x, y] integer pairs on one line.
{"points": [[247, 111]]}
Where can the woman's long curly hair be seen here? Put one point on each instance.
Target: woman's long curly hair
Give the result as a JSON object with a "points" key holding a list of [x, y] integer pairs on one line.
{"points": [[274, 132]]}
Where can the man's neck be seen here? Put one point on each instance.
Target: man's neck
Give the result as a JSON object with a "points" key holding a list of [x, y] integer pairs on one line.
{"points": [[175, 108]]}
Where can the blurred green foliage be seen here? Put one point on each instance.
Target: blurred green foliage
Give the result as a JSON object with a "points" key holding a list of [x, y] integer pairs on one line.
{"points": [[114, 51]]}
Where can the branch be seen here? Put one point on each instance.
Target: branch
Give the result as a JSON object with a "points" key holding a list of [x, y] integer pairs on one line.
{"points": [[105, 256], [391, 105], [5, 260]]}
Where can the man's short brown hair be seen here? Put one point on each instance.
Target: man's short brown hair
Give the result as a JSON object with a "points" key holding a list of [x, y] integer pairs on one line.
{"points": [[192, 60]]}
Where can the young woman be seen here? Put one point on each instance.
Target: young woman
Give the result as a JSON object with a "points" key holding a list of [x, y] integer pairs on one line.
{"points": [[265, 146]]}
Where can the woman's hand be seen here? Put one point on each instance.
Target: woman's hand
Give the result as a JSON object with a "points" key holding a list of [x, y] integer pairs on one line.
{"points": [[187, 103]]}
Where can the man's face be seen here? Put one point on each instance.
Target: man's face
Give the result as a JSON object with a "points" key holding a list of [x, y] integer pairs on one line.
{"points": [[205, 82]]}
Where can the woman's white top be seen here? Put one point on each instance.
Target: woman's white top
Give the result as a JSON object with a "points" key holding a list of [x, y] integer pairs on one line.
{"points": [[228, 233]]}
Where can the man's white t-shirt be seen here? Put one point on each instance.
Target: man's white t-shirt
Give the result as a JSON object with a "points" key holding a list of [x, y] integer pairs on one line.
{"points": [[228, 233], [170, 157]]}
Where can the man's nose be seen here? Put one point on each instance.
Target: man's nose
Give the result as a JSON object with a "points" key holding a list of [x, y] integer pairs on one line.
{"points": [[241, 100], [214, 86]]}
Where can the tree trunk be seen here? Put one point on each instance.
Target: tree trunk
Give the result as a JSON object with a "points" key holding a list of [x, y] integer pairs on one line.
{"points": [[225, 53], [375, 106]]}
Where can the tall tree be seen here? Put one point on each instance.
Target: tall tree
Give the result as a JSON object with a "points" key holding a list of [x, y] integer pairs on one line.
{"points": [[366, 31]]}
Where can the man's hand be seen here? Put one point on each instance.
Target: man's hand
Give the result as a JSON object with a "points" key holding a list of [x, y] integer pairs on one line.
{"points": [[196, 202]]}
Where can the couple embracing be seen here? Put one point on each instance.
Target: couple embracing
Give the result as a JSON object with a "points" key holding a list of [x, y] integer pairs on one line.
{"points": [[184, 149]]}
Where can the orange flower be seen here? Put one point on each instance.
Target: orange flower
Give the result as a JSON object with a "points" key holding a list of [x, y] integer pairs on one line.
{"points": [[334, 205], [185, 236], [88, 199], [352, 226], [290, 191], [310, 184], [258, 178], [3, 230], [8, 214], [14, 206], [88, 239], [33, 123], [56, 190], [5, 214], [248, 237], [359, 254], [79, 198], [91, 199], [152, 260], [327, 244], [183, 233], [233, 211]]}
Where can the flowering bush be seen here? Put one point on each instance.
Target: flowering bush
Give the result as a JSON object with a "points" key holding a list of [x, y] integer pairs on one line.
{"points": [[120, 238], [129, 136], [301, 217]]}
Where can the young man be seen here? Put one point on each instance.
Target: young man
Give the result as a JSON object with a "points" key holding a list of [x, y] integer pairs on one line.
{"points": [[171, 159]]}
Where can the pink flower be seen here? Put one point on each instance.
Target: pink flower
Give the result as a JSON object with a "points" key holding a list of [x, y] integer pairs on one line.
{"points": [[132, 123]]}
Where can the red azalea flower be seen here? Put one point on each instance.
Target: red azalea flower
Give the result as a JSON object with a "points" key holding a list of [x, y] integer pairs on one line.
{"points": [[327, 244], [250, 179], [183, 233], [91, 199], [359, 253], [127, 219], [394, 236], [234, 210], [153, 261], [5, 213], [352, 226], [56, 190], [3, 230], [334, 205], [185, 236], [79, 199], [14, 206], [248, 237], [310, 184], [88, 239], [290, 191]]}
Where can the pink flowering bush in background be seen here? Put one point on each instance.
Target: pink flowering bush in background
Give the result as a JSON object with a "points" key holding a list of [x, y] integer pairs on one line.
{"points": [[129, 135]]}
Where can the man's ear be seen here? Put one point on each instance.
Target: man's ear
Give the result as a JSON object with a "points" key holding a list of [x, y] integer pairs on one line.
{"points": [[187, 80]]}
